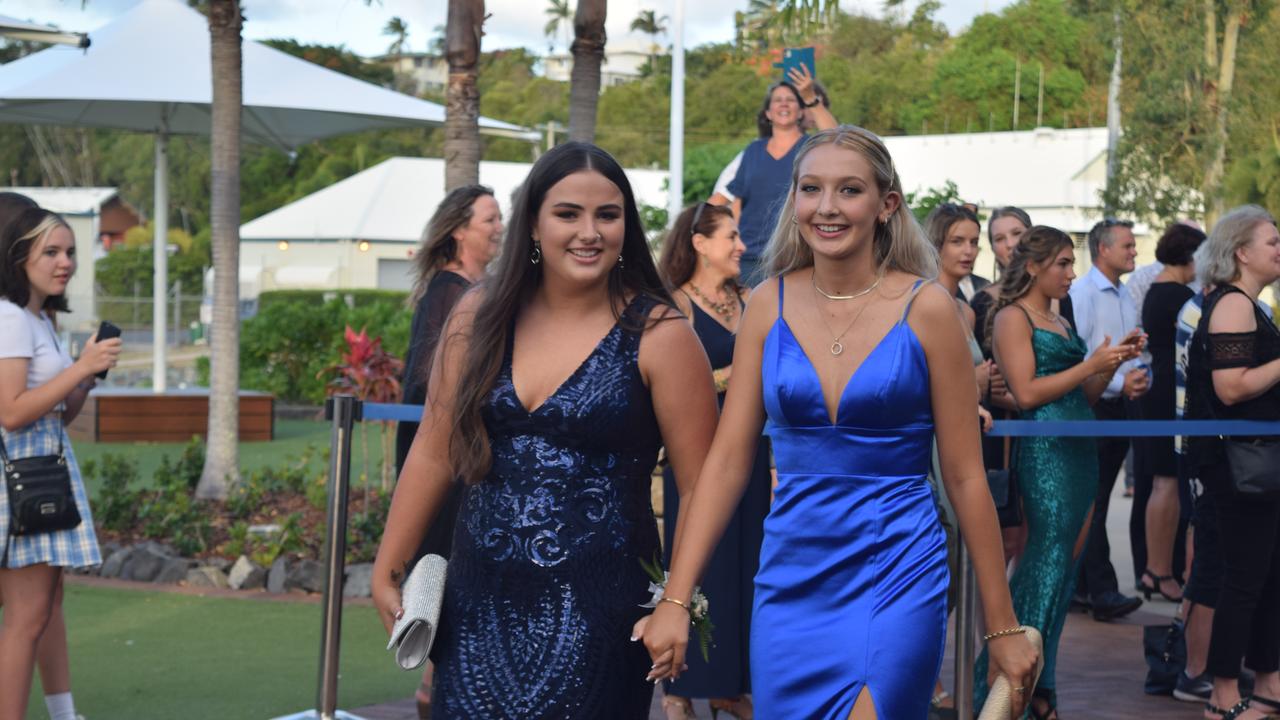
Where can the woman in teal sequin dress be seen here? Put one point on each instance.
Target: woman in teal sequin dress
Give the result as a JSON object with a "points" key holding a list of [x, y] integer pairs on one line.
{"points": [[1043, 361]]}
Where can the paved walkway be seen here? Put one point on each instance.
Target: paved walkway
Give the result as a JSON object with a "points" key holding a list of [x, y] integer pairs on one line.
{"points": [[1100, 665]]}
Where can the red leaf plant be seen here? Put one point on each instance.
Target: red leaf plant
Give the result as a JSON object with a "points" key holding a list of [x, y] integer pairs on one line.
{"points": [[371, 374]]}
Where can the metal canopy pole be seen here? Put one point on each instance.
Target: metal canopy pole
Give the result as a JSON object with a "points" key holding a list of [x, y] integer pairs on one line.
{"points": [[160, 247]]}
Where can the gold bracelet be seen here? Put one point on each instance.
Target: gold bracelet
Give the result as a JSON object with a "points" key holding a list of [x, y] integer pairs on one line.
{"points": [[1019, 630], [677, 602]]}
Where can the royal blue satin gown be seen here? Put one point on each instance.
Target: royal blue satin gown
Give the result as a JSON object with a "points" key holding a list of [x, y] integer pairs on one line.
{"points": [[851, 591]]}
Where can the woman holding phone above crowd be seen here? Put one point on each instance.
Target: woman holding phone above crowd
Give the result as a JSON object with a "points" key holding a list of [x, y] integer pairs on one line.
{"points": [[761, 181], [854, 358], [41, 389]]}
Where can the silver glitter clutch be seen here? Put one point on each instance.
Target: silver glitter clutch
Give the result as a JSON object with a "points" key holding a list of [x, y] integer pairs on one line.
{"points": [[999, 704], [421, 598]]}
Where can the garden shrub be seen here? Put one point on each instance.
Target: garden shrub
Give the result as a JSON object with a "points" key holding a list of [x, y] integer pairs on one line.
{"points": [[116, 506]]}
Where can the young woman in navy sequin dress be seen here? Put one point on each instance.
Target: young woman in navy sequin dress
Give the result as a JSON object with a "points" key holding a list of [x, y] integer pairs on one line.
{"points": [[555, 384]]}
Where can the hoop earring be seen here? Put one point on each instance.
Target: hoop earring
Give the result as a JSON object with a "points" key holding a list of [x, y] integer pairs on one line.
{"points": [[535, 255], [622, 263]]}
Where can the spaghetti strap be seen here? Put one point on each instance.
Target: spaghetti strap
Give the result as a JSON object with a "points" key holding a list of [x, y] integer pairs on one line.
{"points": [[915, 290], [779, 297]]}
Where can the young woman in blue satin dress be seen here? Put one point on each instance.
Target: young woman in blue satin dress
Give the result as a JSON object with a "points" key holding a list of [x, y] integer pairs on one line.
{"points": [[856, 361], [1044, 364], [555, 382]]}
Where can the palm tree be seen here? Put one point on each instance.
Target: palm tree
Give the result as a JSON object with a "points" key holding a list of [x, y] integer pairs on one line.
{"points": [[222, 460], [584, 82], [399, 31], [650, 24], [561, 17], [462, 98], [435, 46]]}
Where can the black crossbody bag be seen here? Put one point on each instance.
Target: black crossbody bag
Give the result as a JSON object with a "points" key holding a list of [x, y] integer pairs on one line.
{"points": [[40, 496]]}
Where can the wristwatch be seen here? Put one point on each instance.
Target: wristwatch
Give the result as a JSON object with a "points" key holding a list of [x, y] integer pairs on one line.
{"points": [[815, 102]]}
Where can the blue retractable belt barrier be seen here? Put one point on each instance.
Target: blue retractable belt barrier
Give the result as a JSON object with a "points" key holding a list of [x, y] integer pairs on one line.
{"points": [[1006, 428]]}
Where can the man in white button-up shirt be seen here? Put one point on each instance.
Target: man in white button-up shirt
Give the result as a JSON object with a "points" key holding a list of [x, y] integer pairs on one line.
{"points": [[1104, 309]]}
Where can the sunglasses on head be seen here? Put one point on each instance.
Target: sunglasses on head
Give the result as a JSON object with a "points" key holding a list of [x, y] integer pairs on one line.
{"points": [[697, 215]]}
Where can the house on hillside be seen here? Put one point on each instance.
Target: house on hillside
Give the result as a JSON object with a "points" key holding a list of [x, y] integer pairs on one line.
{"points": [[363, 232], [423, 72], [99, 218], [623, 60]]}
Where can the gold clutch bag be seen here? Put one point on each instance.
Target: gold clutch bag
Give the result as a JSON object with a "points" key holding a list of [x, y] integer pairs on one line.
{"points": [[999, 705]]}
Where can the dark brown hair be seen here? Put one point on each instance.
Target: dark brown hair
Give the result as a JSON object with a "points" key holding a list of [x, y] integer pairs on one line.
{"points": [[17, 238], [439, 246], [679, 259], [763, 124], [1178, 245], [1037, 245], [941, 218], [516, 279]]}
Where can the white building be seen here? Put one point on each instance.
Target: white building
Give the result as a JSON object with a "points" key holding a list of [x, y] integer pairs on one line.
{"points": [[424, 72], [362, 232], [83, 209], [623, 60], [1057, 176]]}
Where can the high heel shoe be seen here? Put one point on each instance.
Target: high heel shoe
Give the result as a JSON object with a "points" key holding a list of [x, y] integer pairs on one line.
{"points": [[739, 707], [678, 708], [1154, 587]]}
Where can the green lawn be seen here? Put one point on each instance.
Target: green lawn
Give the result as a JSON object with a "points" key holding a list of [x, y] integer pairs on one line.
{"points": [[292, 439], [137, 655]]}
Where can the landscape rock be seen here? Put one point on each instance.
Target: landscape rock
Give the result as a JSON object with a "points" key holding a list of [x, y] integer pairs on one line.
{"points": [[174, 570], [277, 575], [144, 563], [359, 581], [160, 548], [222, 564], [206, 576], [305, 575], [247, 575], [114, 562]]}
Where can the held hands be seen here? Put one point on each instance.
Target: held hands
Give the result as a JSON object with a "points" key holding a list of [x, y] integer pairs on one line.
{"points": [[98, 357], [1014, 657], [998, 388], [665, 634], [983, 373]]}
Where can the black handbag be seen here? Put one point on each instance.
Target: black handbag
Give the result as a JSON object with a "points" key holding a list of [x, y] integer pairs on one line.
{"points": [[1004, 490], [40, 495], [1165, 648], [1255, 466]]}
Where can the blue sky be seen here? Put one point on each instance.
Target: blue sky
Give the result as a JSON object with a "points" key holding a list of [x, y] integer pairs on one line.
{"points": [[514, 23]]}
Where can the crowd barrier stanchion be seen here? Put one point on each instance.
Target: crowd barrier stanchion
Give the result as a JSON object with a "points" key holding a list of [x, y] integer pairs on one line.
{"points": [[966, 649], [343, 411]]}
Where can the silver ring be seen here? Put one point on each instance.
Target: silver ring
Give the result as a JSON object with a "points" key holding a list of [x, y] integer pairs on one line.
{"points": [[1019, 689]]}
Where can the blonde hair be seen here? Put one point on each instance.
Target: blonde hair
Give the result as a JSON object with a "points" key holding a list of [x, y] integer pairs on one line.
{"points": [[899, 244], [1216, 257]]}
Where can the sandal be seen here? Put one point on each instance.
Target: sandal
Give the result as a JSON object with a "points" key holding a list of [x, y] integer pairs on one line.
{"points": [[1149, 589], [739, 707], [1230, 713], [677, 708], [1051, 707], [1273, 704], [937, 702]]}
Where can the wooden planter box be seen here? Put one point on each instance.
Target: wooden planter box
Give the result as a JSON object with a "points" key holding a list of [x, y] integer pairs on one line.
{"points": [[139, 415]]}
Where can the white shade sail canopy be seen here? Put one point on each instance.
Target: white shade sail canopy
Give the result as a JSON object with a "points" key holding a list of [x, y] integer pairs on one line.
{"points": [[32, 32], [149, 70]]}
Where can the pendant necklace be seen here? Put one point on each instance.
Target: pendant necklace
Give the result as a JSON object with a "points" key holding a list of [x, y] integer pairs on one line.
{"points": [[836, 346], [1050, 318]]}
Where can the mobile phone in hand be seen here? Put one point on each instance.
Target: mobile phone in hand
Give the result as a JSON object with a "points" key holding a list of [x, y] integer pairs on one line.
{"points": [[106, 331], [793, 58]]}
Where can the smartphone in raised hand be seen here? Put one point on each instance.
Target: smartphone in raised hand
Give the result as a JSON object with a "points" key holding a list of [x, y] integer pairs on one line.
{"points": [[106, 331], [793, 58]]}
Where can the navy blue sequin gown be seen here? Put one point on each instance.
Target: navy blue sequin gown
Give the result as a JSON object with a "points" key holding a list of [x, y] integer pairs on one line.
{"points": [[545, 581]]}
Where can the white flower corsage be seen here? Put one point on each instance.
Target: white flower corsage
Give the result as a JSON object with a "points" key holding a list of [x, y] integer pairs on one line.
{"points": [[699, 608]]}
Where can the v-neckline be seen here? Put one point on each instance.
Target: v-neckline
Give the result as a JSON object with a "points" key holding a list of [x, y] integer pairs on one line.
{"points": [[511, 365], [813, 369]]}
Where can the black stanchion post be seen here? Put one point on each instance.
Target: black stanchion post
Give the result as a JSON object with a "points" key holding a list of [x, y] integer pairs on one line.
{"points": [[343, 411], [966, 614]]}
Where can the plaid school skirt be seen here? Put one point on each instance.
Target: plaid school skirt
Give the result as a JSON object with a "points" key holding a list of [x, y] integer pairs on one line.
{"points": [[77, 547]]}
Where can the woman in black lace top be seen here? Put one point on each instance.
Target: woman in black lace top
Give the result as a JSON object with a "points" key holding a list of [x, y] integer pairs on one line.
{"points": [[460, 240], [1234, 374]]}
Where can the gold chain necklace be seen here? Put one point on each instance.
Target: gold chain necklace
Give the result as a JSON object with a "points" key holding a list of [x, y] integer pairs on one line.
{"points": [[855, 296], [1049, 318], [836, 346], [724, 309]]}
